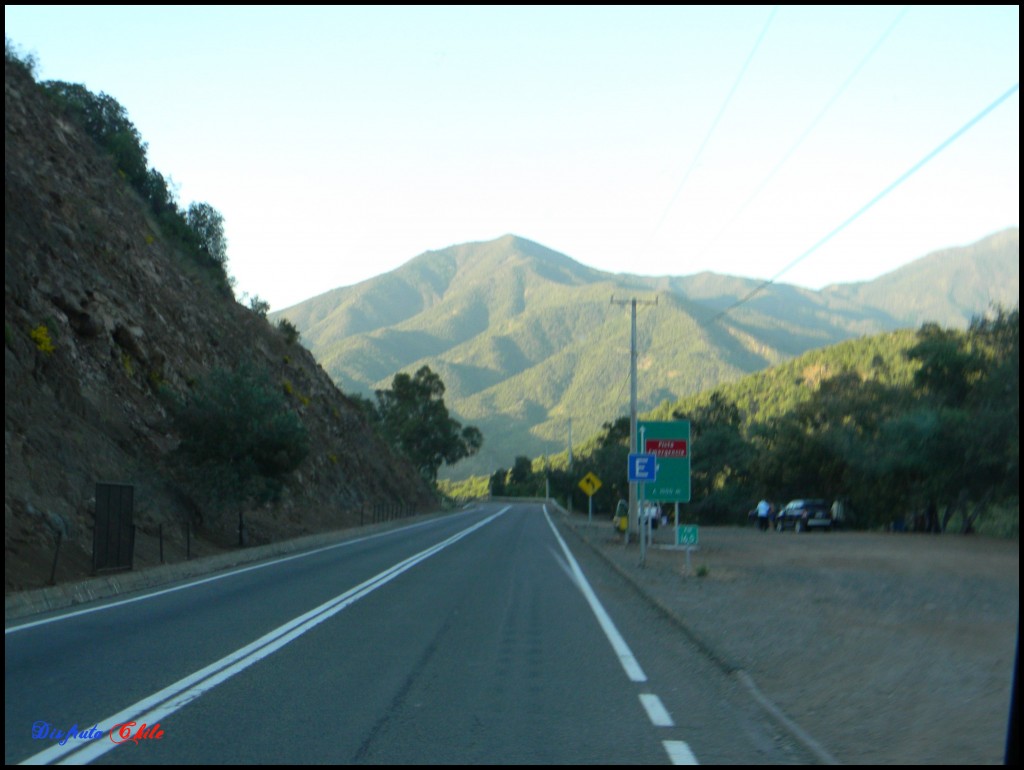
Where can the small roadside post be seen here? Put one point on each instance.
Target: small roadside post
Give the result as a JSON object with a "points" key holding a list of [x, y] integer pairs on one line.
{"points": [[643, 467], [688, 535], [590, 484]]}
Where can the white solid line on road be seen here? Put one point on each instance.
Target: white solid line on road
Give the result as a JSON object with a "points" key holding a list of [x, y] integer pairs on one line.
{"points": [[212, 578], [159, 705], [626, 658], [657, 713], [679, 753]]}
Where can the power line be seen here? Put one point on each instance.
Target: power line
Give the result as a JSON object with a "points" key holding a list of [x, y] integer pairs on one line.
{"points": [[807, 131], [892, 186], [718, 117]]}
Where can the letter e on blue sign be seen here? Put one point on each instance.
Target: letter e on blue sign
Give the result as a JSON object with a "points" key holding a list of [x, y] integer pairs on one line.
{"points": [[642, 467]]}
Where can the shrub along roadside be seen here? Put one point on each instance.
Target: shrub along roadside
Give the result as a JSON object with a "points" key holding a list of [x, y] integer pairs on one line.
{"points": [[238, 436]]}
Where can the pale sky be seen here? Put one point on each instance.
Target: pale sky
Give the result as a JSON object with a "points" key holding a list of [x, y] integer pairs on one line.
{"points": [[341, 142]]}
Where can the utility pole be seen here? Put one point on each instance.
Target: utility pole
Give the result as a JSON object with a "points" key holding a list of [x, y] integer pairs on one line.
{"points": [[570, 445], [634, 514]]}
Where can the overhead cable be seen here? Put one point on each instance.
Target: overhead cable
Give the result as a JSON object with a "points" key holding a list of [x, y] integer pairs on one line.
{"points": [[807, 131], [892, 186], [718, 117]]}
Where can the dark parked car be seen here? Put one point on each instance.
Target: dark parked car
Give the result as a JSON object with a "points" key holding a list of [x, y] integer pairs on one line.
{"points": [[804, 515]]}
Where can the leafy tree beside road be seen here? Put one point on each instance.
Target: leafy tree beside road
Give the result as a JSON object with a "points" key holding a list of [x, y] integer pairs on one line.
{"points": [[413, 418], [924, 422], [894, 425]]}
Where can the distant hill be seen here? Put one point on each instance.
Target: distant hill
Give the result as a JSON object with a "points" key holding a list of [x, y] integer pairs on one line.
{"points": [[948, 286], [527, 339]]}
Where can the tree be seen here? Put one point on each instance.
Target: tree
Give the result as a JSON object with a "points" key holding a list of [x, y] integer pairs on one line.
{"points": [[522, 470], [200, 229], [25, 61], [967, 437], [207, 227], [496, 484], [414, 419], [106, 121], [720, 458], [257, 305], [236, 427], [289, 330], [615, 433]]}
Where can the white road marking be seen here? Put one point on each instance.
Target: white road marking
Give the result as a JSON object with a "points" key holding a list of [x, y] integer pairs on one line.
{"points": [[152, 709], [626, 658], [657, 712], [220, 576], [679, 753]]}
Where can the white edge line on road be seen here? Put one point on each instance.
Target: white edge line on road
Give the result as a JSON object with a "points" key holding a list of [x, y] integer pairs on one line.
{"points": [[220, 576], [626, 658], [153, 708], [679, 753], [656, 710]]}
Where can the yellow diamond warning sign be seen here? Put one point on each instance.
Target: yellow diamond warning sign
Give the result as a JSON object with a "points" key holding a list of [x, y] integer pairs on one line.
{"points": [[590, 484]]}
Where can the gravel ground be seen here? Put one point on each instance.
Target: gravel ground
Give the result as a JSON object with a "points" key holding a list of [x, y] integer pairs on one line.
{"points": [[881, 648]]}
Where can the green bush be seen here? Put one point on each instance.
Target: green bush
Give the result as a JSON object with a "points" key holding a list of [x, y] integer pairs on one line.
{"points": [[237, 428], [259, 306], [289, 330], [25, 61], [106, 121]]}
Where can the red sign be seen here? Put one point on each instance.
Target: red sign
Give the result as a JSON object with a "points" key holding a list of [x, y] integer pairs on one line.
{"points": [[666, 447]]}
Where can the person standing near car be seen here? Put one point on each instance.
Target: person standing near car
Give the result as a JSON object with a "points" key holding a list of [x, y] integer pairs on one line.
{"points": [[764, 508], [838, 513]]}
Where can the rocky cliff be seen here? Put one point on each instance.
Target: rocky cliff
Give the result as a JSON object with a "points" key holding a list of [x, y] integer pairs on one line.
{"points": [[104, 321]]}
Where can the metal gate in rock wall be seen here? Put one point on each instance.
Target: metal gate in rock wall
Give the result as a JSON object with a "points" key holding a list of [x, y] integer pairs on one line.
{"points": [[113, 540]]}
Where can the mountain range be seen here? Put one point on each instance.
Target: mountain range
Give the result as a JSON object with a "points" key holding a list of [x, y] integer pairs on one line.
{"points": [[532, 344]]}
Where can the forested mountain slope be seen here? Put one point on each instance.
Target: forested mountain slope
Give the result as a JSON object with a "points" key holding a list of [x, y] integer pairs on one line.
{"points": [[527, 339]]}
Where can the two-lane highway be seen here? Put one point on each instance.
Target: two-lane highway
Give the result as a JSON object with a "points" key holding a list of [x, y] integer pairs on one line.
{"points": [[473, 638]]}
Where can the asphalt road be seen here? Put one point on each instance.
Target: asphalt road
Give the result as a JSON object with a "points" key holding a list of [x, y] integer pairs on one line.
{"points": [[480, 637]]}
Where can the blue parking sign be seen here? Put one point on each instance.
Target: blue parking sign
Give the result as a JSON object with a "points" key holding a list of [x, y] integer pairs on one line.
{"points": [[643, 467]]}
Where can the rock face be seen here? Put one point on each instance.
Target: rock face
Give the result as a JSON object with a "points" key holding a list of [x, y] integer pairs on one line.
{"points": [[104, 318]]}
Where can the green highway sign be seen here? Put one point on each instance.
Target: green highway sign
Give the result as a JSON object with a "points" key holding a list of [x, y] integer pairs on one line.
{"points": [[669, 442], [687, 534]]}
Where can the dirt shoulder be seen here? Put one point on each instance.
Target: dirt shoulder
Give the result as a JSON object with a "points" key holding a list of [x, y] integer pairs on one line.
{"points": [[884, 648]]}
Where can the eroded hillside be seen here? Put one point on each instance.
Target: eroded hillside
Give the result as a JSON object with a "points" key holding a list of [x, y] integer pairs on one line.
{"points": [[105, 322]]}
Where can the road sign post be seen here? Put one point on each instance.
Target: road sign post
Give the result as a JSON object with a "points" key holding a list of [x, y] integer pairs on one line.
{"points": [[688, 535], [590, 484], [643, 468]]}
